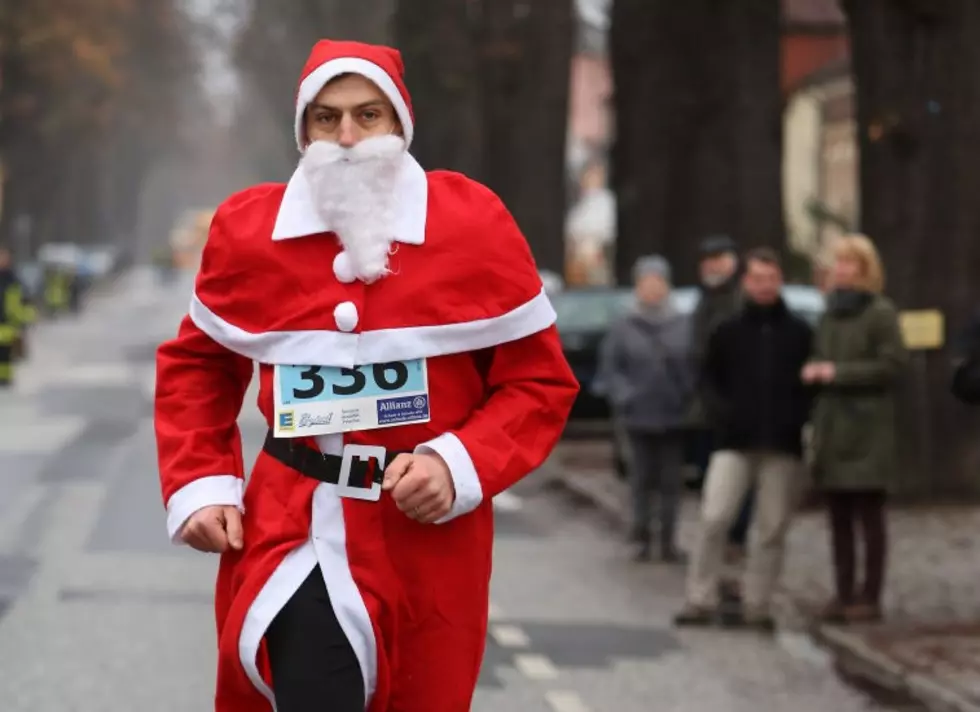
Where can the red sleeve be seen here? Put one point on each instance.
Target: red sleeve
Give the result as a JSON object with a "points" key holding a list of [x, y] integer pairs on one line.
{"points": [[200, 386], [532, 390], [530, 384]]}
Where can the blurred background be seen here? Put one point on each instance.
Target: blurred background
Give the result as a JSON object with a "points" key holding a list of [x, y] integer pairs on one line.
{"points": [[612, 129]]}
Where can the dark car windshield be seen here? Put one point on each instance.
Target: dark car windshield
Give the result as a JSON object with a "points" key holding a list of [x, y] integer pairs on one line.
{"points": [[589, 310]]}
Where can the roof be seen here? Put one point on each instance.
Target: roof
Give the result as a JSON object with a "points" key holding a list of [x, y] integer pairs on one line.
{"points": [[813, 13]]}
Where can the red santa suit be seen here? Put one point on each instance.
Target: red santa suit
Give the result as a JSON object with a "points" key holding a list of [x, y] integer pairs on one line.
{"points": [[276, 288]]}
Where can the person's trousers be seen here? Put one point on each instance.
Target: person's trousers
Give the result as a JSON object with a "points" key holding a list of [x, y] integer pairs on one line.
{"points": [[739, 531], [6, 364], [313, 665], [778, 479], [656, 466], [845, 508]]}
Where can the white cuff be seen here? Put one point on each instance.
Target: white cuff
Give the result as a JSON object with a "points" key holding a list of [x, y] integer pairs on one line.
{"points": [[469, 491], [225, 490]]}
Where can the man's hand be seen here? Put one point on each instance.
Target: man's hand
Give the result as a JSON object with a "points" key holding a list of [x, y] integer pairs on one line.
{"points": [[828, 371], [214, 529], [421, 486], [818, 372]]}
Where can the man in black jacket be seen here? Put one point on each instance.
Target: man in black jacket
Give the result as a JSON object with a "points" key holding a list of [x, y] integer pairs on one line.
{"points": [[757, 407], [966, 373]]}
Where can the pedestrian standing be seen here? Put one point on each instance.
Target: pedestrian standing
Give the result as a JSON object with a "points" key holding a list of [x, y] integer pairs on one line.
{"points": [[649, 382], [720, 298], [757, 406], [858, 358]]}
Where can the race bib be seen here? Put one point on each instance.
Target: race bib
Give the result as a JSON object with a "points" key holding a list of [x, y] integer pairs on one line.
{"points": [[321, 400]]}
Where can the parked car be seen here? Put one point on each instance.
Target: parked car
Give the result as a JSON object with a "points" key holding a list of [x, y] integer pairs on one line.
{"points": [[584, 317]]}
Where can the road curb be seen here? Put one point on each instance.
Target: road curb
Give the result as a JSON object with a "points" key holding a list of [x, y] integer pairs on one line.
{"points": [[854, 655]]}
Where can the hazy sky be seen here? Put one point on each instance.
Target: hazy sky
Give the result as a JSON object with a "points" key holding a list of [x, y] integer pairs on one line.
{"points": [[224, 16]]}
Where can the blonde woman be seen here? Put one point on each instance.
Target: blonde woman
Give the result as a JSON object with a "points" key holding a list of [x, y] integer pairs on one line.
{"points": [[858, 358]]}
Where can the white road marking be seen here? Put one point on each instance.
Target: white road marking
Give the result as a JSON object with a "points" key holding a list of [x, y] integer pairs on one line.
{"points": [[495, 614], [19, 511], [565, 701], [30, 436], [535, 667], [510, 636]]}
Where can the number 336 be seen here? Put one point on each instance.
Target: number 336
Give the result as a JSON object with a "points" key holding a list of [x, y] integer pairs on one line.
{"points": [[386, 376]]}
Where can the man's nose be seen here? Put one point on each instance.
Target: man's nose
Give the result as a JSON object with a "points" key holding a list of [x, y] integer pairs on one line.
{"points": [[348, 132]]}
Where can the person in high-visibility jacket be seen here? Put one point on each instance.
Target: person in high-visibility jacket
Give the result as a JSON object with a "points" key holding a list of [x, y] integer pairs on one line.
{"points": [[15, 314], [57, 290]]}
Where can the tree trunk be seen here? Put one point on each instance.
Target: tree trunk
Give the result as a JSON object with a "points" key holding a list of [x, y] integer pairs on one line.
{"points": [[698, 146], [436, 38], [363, 21], [526, 66], [917, 71]]}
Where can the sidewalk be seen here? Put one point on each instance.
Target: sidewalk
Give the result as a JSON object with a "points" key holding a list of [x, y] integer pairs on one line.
{"points": [[929, 646]]}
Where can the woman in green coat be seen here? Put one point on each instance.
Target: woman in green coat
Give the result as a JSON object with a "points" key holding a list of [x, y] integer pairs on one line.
{"points": [[858, 358]]}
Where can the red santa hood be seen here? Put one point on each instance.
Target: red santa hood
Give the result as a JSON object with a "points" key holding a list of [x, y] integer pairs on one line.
{"points": [[382, 65]]}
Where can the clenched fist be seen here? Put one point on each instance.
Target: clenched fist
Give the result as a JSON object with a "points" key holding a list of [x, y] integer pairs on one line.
{"points": [[213, 529], [421, 486]]}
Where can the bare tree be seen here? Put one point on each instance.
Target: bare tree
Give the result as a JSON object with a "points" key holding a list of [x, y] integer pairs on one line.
{"points": [[527, 49], [437, 39], [490, 81], [698, 130], [90, 96], [917, 69]]}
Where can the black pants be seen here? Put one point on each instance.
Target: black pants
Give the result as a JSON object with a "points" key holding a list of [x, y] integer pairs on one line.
{"points": [[657, 459], [846, 508], [313, 665]]}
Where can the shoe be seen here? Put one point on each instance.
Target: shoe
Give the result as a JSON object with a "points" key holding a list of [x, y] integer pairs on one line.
{"points": [[643, 552], [862, 613], [834, 611], [736, 616], [695, 615]]}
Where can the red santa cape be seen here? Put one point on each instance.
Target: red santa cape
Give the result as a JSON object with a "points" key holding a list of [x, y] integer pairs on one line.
{"points": [[275, 287]]}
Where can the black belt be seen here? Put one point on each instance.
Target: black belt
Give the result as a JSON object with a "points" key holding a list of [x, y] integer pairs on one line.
{"points": [[364, 464]]}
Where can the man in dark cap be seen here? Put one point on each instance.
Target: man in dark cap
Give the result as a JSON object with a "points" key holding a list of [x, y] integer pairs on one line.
{"points": [[720, 299]]}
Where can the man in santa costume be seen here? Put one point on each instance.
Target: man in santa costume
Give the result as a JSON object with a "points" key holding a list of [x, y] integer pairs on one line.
{"points": [[409, 371]]}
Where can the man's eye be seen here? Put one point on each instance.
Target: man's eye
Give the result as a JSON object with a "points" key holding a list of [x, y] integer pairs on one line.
{"points": [[370, 115], [325, 119]]}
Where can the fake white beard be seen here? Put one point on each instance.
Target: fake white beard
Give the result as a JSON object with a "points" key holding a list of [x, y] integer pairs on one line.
{"points": [[354, 192]]}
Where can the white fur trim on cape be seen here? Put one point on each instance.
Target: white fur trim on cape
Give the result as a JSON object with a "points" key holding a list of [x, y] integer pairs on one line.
{"points": [[318, 78], [469, 491], [210, 491], [335, 348], [298, 217]]}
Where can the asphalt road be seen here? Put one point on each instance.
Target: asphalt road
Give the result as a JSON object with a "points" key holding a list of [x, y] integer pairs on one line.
{"points": [[99, 612]]}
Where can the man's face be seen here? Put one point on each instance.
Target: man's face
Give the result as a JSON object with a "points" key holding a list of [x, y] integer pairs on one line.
{"points": [[718, 269], [348, 110], [763, 282]]}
